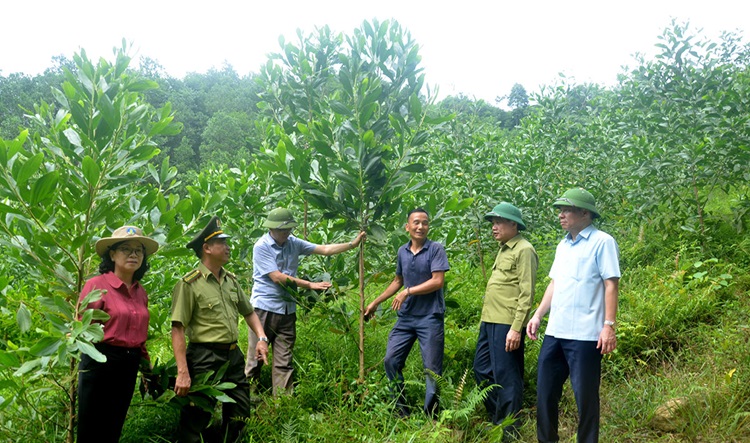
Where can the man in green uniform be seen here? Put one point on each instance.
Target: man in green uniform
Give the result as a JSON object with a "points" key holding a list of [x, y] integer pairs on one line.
{"points": [[205, 305], [507, 307]]}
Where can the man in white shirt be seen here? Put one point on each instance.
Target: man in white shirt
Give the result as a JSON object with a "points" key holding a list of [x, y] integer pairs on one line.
{"points": [[582, 301]]}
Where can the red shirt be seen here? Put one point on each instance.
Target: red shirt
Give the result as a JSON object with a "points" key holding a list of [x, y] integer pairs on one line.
{"points": [[127, 308]]}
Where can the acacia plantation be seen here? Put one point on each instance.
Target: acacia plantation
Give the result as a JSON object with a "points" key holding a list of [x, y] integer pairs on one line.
{"points": [[341, 128]]}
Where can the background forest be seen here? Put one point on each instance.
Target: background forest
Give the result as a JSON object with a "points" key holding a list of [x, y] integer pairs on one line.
{"points": [[340, 128]]}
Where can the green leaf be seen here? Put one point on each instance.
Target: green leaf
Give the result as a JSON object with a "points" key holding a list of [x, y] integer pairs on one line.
{"points": [[23, 318], [27, 367], [323, 148], [196, 200], [415, 107], [340, 108], [420, 138], [439, 120], [378, 233], [45, 346], [451, 204], [414, 167], [92, 296], [465, 203], [28, 169], [153, 172], [44, 188], [91, 351], [143, 85], [8, 359], [224, 398], [155, 216], [369, 138], [107, 110], [91, 170], [73, 137], [452, 303]]}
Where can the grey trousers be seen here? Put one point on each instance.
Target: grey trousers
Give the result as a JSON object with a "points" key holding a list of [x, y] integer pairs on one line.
{"points": [[282, 333]]}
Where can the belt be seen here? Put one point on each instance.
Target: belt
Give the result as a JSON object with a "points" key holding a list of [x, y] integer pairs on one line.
{"points": [[106, 347], [218, 346]]}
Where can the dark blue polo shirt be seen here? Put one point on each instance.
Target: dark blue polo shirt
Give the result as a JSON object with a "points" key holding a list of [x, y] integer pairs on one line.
{"points": [[418, 268]]}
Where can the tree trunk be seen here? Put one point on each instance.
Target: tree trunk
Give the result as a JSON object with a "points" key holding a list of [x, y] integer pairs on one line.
{"points": [[481, 256], [699, 207], [362, 312], [72, 395], [304, 223]]}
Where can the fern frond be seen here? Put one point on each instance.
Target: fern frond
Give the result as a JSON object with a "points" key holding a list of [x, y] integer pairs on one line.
{"points": [[460, 389], [288, 431]]}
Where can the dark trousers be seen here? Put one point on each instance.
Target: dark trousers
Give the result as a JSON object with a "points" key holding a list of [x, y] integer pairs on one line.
{"points": [[559, 359], [493, 365], [429, 330], [104, 393], [281, 330], [202, 358]]}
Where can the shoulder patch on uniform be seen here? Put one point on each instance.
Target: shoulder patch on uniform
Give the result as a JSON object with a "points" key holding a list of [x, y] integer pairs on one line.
{"points": [[232, 276], [192, 276]]}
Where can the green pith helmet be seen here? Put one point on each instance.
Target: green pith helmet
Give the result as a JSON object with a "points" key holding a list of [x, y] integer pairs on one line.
{"points": [[280, 218], [578, 198], [507, 211]]}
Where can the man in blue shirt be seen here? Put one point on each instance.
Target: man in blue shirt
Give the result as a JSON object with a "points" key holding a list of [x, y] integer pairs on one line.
{"points": [[275, 261], [582, 301], [420, 270]]}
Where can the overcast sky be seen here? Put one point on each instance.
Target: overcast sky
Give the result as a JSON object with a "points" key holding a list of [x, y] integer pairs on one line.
{"points": [[478, 48]]}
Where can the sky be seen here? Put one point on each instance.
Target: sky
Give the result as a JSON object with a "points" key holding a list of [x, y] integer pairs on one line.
{"points": [[476, 48]]}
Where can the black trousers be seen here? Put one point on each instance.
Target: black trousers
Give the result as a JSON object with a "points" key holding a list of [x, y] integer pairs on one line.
{"points": [[104, 393], [202, 358], [493, 365], [582, 362]]}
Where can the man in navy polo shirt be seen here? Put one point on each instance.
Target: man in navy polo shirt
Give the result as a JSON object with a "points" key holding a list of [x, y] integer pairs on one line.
{"points": [[420, 270]]}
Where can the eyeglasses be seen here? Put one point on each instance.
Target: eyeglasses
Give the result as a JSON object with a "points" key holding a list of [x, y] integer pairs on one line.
{"points": [[129, 251]]}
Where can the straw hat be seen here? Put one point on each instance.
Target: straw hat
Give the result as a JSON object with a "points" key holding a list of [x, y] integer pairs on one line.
{"points": [[126, 233]]}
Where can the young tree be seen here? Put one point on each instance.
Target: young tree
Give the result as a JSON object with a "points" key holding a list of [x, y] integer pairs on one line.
{"points": [[80, 172], [349, 116]]}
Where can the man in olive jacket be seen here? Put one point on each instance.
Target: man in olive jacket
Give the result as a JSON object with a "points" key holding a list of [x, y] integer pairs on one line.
{"points": [[206, 304], [507, 307]]}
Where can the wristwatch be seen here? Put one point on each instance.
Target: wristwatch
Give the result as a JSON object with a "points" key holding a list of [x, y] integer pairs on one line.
{"points": [[609, 323], [265, 339]]}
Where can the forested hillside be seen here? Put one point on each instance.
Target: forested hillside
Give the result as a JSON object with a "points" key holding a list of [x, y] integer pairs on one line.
{"points": [[341, 129]]}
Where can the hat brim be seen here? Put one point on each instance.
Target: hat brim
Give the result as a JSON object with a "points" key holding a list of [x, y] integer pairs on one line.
{"points": [[196, 243], [103, 244], [577, 204], [280, 225], [490, 215]]}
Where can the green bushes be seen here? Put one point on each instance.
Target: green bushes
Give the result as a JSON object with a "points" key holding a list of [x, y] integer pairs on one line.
{"points": [[656, 315]]}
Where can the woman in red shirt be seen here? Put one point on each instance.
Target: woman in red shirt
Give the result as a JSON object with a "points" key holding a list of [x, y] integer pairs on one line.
{"points": [[106, 388]]}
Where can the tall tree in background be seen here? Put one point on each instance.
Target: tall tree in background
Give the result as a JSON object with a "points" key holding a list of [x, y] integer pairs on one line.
{"points": [[518, 101], [518, 98]]}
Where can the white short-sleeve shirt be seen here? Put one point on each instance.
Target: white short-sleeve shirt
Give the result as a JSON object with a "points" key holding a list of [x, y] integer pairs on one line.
{"points": [[579, 271]]}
